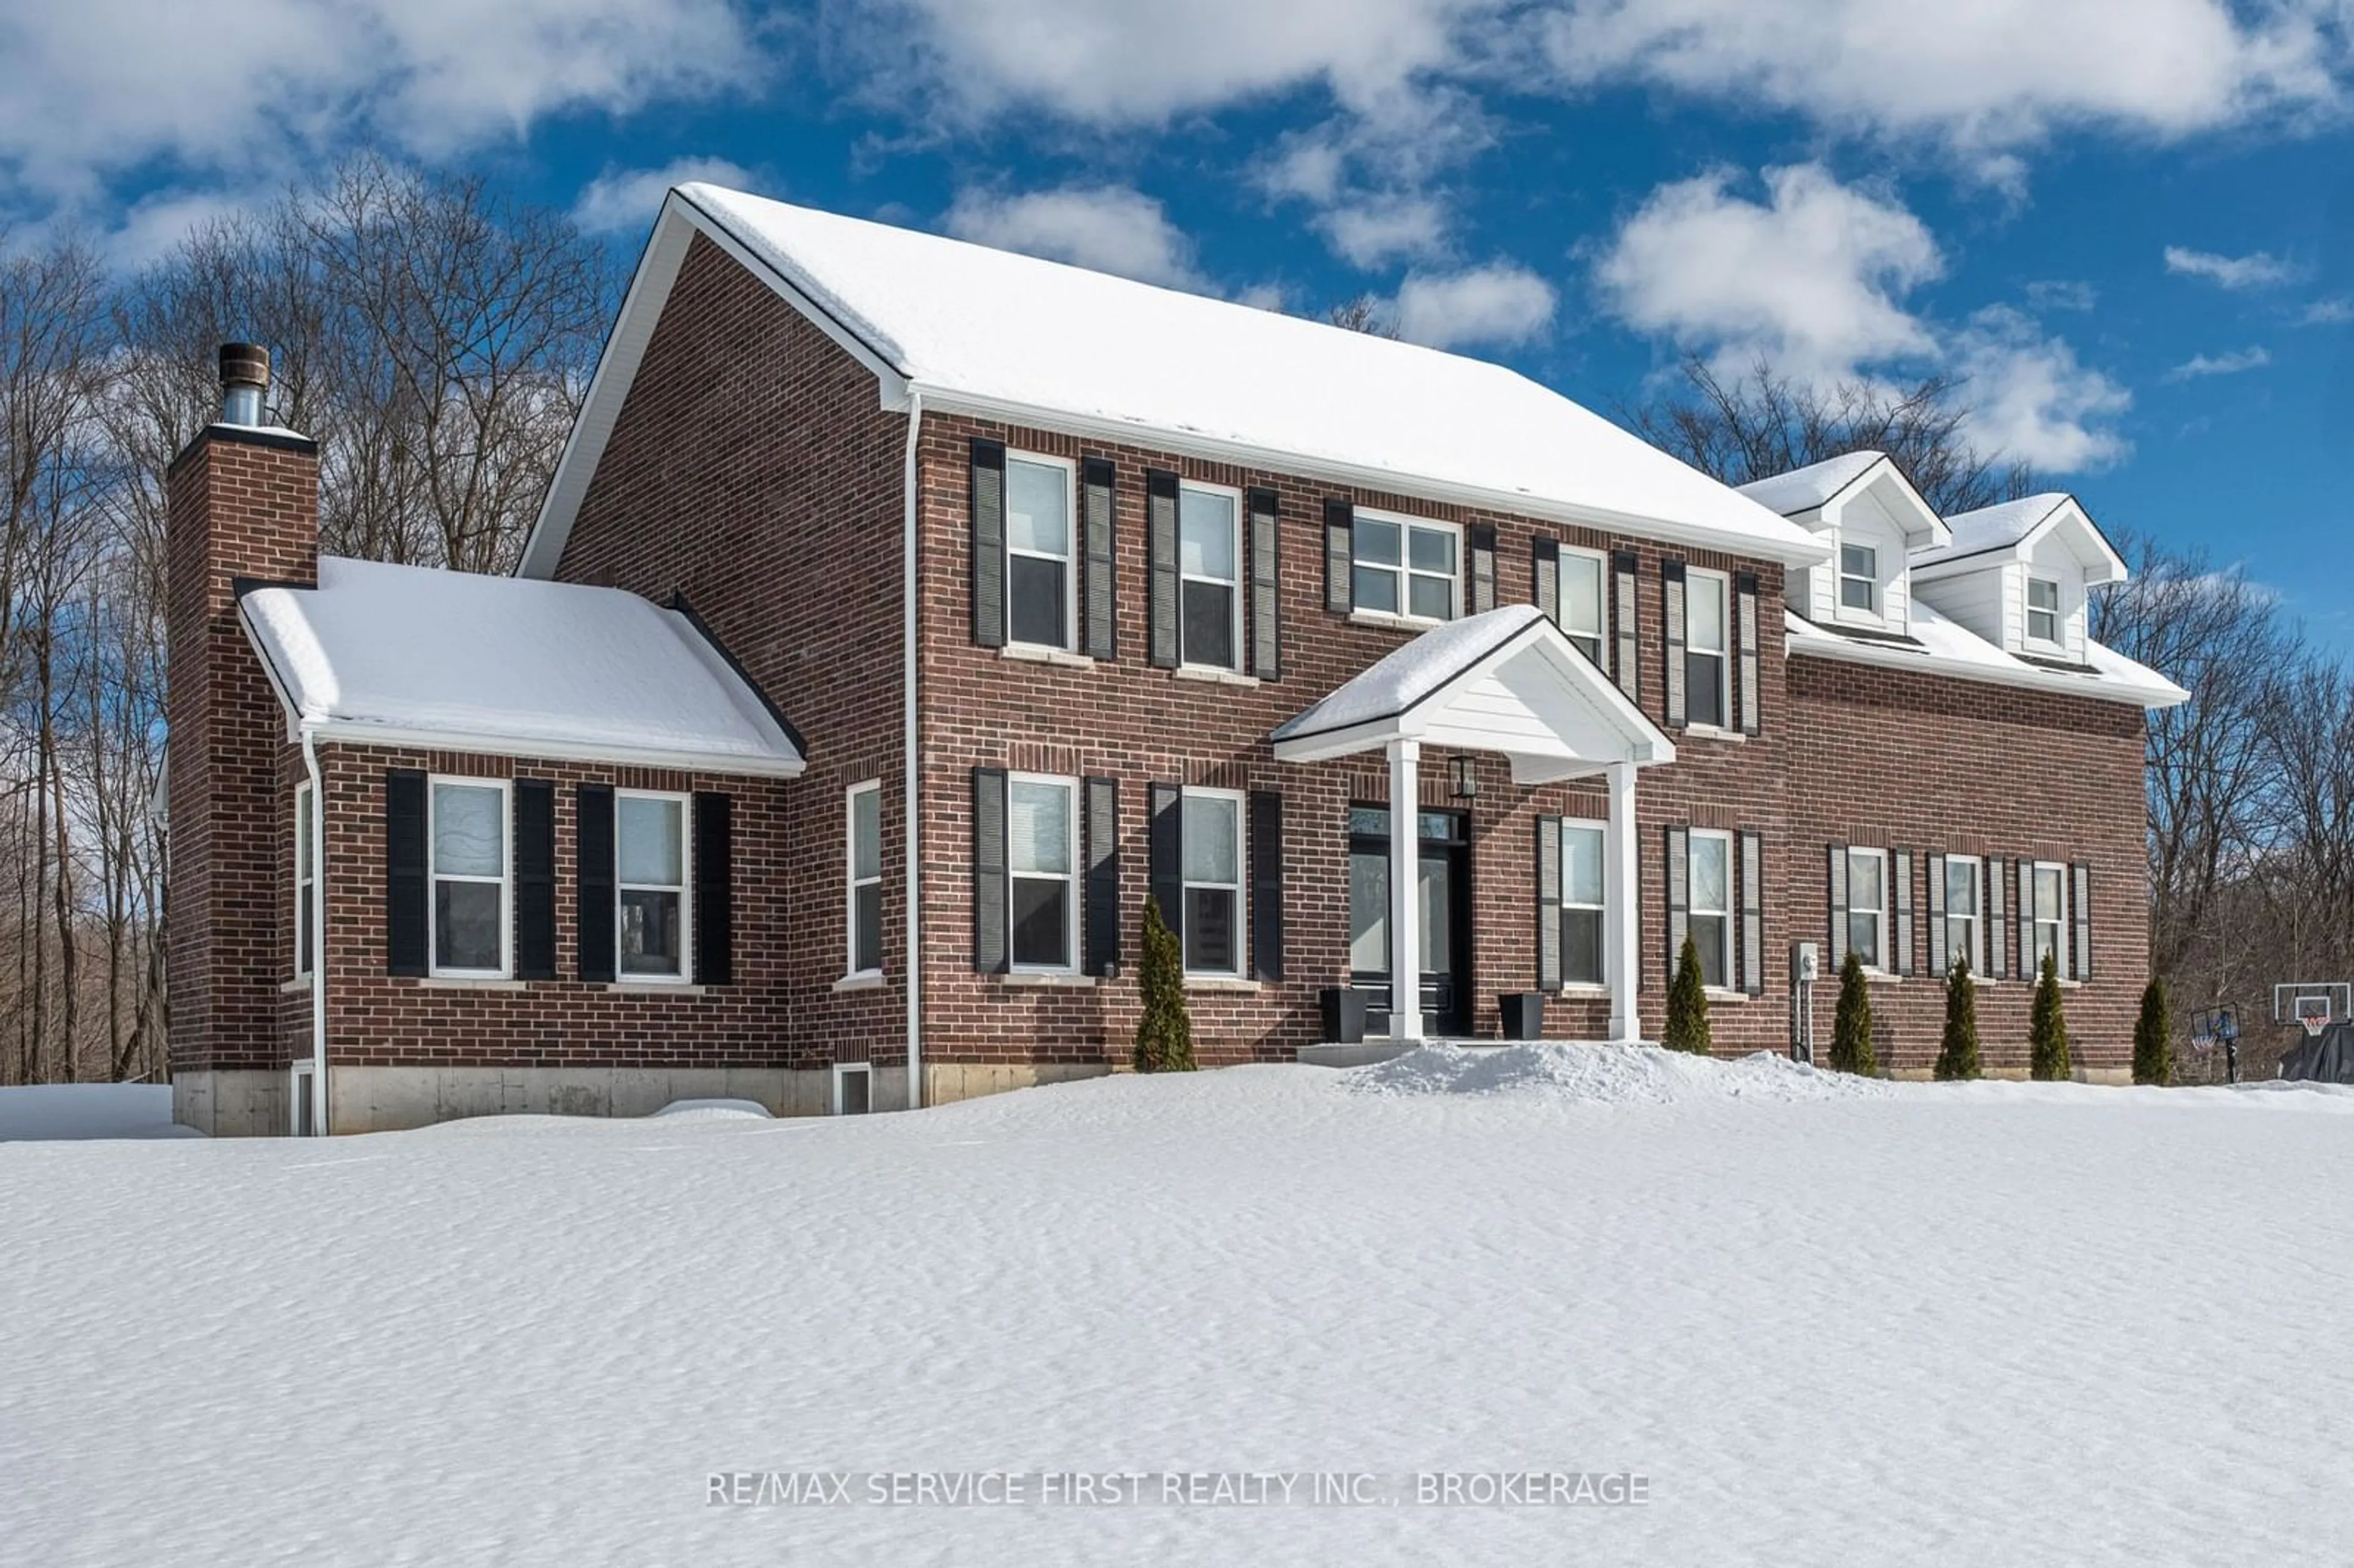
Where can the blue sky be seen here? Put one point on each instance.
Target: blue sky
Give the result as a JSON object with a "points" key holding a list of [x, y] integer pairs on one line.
{"points": [[2131, 226]]}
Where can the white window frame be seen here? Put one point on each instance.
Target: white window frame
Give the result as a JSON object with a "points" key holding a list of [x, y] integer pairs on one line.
{"points": [[2057, 919], [853, 882], [434, 877], [1404, 571], [1721, 653], [1729, 914], [306, 874], [1070, 879], [1879, 912], [1234, 500], [2057, 612], [1070, 470], [301, 1085], [684, 888], [1600, 907], [1976, 952], [1600, 635], [1871, 609], [1239, 887], [842, 1070]]}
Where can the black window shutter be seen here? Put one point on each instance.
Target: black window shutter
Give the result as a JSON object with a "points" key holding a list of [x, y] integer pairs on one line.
{"points": [[1544, 576], [404, 872], [1941, 956], [1340, 556], [1900, 876], [1160, 566], [1483, 568], [992, 952], [2029, 969], [1752, 913], [1745, 628], [1167, 872], [989, 543], [1267, 884], [1266, 576], [1102, 839], [2080, 909], [592, 832], [1549, 957], [1101, 580], [1671, 618], [1998, 928], [714, 891], [1837, 949], [1679, 895], [1626, 666], [534, 879]]}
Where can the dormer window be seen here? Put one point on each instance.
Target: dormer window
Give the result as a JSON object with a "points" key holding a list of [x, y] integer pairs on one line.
{"points": [[2042, 610], [1859, 579]]}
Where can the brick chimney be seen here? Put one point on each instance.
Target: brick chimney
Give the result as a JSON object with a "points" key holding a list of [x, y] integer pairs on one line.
{"points": [[242, 502]]}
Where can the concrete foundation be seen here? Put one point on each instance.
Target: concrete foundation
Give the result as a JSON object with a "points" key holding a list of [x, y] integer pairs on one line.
{"points": [[241, 1104]]}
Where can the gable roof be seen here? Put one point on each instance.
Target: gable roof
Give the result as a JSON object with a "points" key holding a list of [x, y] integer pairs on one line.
{"points": [[1812, 487], [2013, 527], [1033, 341], [393, 655], [1823, 492]]}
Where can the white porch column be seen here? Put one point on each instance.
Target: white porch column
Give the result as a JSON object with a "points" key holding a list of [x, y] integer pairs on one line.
{"points": [[1623, 943], [1406, 890]]}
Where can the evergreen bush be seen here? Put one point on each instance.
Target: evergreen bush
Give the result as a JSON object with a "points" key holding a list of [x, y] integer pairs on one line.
{"points": [[1687, 1005], [1164, 1032], [2154, 1036], [2047, 1029], [1852, 1025], [1957, 1056]]}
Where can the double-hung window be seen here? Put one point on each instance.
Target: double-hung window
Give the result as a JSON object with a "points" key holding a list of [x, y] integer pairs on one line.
{"points": [[2048, 888], [468, 835], [1209, 572], [1581, 600], [864, 913], [1581, 903], [306, 879], [1709, 903], [1039, 601], [1404, 568], [1212, 836], [1858, 578], [1867, 906], [1963, 874], [1040, 823], [1705, 648], [2043, 610], [649, 833]]}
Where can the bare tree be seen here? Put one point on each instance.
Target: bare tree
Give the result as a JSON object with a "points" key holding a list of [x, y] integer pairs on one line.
{"points": [[1366, 313]]}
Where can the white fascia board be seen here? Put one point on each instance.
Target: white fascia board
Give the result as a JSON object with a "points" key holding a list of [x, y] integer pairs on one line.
{"points": [[2105, 688], [1801, 552], [358, 732]]}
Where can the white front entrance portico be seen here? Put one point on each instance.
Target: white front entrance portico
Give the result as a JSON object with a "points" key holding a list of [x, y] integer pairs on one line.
{"points": [[1506, 681]]}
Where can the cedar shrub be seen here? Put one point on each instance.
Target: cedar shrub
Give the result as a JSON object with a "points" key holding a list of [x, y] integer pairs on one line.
{"points": [[1164, 1031], [2047, 1029], [1852, 1025], [1687, 1005], [1957, 1056]]}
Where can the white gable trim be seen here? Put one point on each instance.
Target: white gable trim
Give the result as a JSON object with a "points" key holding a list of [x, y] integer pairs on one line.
{"points": [[2067, 518]]}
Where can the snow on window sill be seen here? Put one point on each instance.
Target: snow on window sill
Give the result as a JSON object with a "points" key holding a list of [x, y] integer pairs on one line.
{"points": [[1392, 620], [1047, 978], [1213, 674], [1220, 982], [469, 982], [652, 988], [859, 983], [1036, 655]]}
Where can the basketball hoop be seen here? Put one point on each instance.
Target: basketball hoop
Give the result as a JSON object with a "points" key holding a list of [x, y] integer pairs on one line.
{"points": [[2313, 1013]]}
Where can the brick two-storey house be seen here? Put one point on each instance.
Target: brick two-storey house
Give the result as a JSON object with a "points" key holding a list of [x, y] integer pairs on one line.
{"points": [[905, 614]]}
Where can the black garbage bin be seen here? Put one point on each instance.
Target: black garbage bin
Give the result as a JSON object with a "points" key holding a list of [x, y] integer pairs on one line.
{"points": [[1344, 1015], [1524, 1014]]}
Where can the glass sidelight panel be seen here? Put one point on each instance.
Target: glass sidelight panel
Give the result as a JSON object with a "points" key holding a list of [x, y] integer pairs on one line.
{"points": [[1369, 911], [1437, 888]]}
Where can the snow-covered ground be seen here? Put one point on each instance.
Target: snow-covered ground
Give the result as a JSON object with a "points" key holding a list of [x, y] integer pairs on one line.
{"points": [[1825, 1322]]}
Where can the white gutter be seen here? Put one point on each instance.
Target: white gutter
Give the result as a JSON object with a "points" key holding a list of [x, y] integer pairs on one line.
{"points": [[908, 785], [2096, 685], [318, 935]]}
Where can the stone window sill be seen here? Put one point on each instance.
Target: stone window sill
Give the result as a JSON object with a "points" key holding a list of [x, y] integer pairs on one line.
{"points": [[460, 982], [1717, 994], [1220, 982], [1713, 732], [1395, 622], [1584, 987], [1043, 978], [1213, 675], [290, 987], [859, 983], [654, 987], [1033, 653]]}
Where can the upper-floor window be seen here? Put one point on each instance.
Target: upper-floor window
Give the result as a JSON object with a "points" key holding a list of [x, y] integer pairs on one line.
{"points": [[650, 842], [2043, 610], [468, 837], [1709, 903], [2048, 916], [1963, 874], [1705, 648], [1211, 832], [864, 914], [1039, 599], [1209, 572], [1867, 906], [1581, 903], [1858, 578], [1404, 568], [306, 879], [1040, 855], [1581, 600]]}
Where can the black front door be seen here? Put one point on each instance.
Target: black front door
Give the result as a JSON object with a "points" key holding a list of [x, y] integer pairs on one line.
{"points": [[1443, 875]]}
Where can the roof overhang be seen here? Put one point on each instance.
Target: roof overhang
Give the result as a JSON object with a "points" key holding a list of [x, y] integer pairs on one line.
{"points": [[1884, 484], [2067, 521], [1507, 682], [2123, 680]]}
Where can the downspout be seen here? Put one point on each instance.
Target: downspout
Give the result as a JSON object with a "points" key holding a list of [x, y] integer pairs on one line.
{"points": [[318, 934], [908, 784]]}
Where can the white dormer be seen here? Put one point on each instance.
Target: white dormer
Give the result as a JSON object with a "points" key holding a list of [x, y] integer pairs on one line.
{"points": [[1863, 507], [2020, 575]]}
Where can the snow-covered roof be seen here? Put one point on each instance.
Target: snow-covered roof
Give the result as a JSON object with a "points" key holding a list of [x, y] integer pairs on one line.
{"points": [[2013, 526], [1941, 645], [411, 655], [1811, 487], [1030, 341]]}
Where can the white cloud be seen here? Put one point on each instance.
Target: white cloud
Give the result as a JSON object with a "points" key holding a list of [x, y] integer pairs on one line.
{"points": [[153, 226], [2031, 399], [96, 86], [2331, 312], [621, 200], [2200, 364], [2257, 272], [1810, 277], [2061, 294], [1500, 305], [1111, 229], [1370, 231]]}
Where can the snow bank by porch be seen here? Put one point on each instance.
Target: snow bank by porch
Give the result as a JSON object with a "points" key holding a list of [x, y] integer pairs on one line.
{"points": [[1604, 1074]]}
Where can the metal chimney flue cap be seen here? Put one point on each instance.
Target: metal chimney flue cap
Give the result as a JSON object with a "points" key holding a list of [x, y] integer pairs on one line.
{"points": [[244, 365]]}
